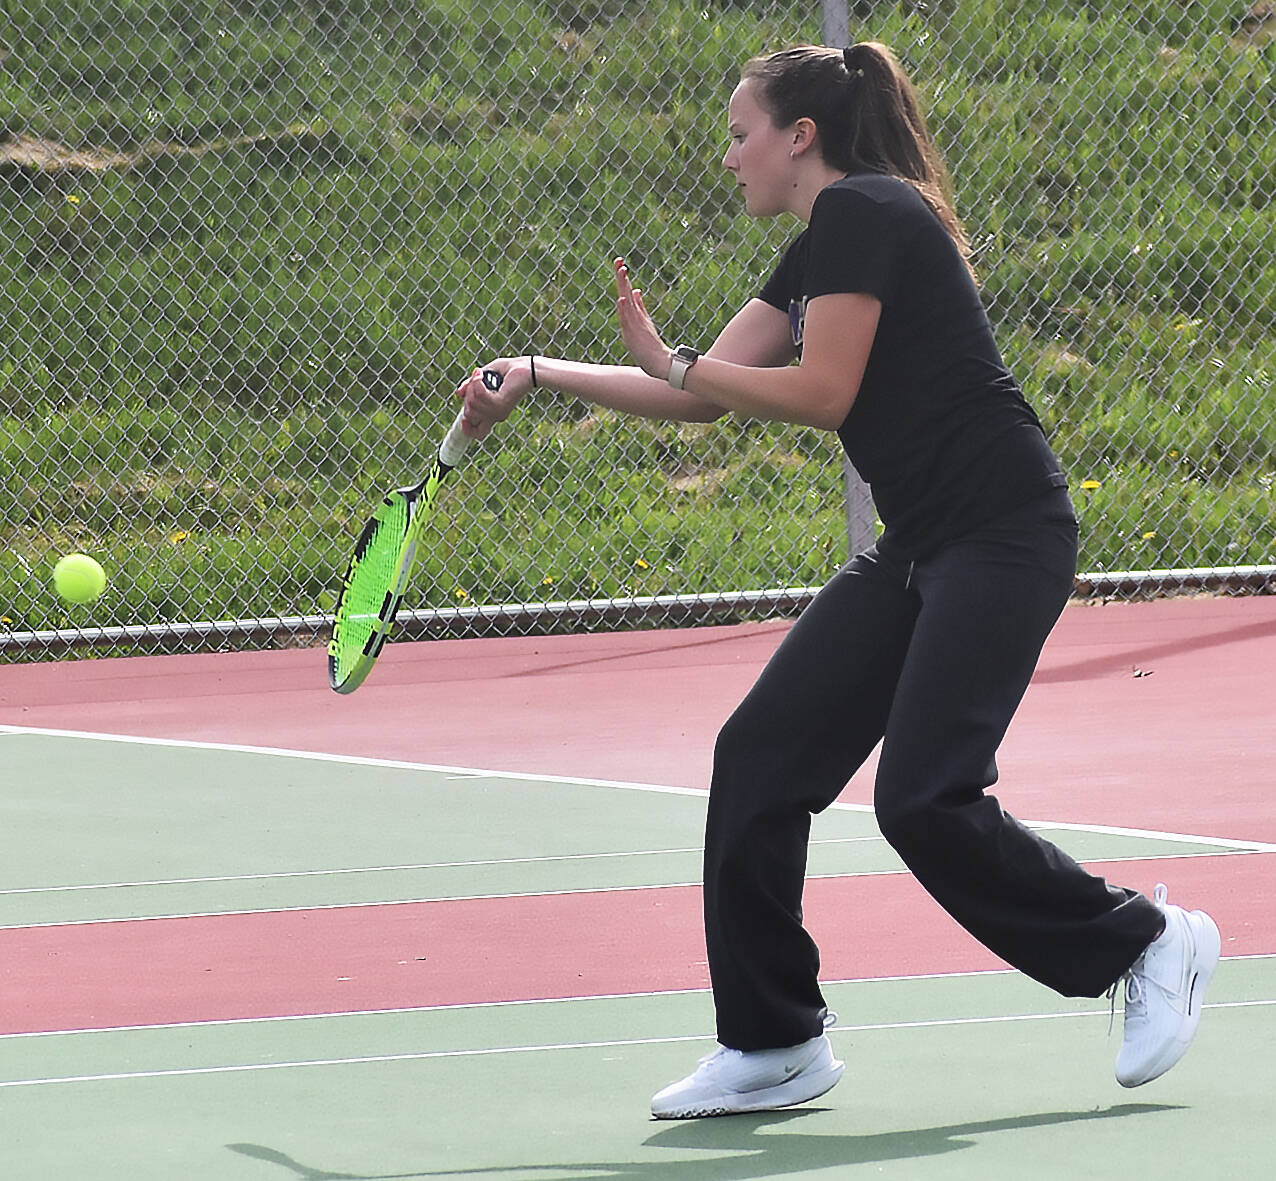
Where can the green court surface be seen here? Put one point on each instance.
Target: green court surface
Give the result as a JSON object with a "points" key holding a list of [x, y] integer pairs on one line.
{"points": [[964, 1075], [102, 829]]}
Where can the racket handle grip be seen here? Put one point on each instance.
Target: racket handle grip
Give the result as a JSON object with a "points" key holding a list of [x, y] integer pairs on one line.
{"points": [[456, 442]]}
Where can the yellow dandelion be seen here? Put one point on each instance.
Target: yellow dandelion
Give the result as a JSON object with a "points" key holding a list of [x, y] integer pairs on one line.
{"points": [[1091, 485], [461, 593], [548, 580], [643, 564], [178, 536], [72, 199], [1149, 535]]}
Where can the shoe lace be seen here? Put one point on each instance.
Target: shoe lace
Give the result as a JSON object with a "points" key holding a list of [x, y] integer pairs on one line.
{"points": [[1132, 979], [1133, 984], [718, 1054], [715, 1056]]}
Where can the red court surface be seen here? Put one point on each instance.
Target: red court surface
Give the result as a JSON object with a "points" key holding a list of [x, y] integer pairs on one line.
{"points": [[409, 955], [1151, 715]]}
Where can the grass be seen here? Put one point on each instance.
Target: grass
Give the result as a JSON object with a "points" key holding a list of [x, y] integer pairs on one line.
{"points": [[214, 357]]}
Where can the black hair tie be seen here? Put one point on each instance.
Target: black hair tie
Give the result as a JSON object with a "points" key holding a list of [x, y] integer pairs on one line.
{"points": [[847, 60]]}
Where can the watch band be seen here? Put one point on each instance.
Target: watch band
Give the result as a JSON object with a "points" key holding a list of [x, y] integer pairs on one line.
{"points": [[683, 358]]}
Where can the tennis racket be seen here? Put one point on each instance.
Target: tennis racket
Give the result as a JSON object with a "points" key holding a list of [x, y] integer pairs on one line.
{"points": [[382, 564]]}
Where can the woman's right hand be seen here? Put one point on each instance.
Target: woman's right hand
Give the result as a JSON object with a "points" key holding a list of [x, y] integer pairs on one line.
{"points": [[484, 407]]}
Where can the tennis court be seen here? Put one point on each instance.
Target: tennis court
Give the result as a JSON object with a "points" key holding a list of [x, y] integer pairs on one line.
{"points": [[450, 926]]}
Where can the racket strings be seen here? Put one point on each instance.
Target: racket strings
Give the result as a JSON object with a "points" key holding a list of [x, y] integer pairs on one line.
{"points": [[374, 572]]}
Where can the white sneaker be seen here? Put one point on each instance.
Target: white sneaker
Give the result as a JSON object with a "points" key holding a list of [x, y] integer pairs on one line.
{"points": [[1164, 991], [728, 1082]]}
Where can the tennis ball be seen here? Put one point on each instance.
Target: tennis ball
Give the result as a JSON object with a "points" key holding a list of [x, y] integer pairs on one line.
{"points": [[78, 578]]}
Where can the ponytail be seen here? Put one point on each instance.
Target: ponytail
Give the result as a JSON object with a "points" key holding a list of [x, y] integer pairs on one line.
{"points": [[867, 115]]}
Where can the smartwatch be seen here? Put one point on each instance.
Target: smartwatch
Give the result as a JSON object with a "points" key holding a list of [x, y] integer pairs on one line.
{"points": [[684, 356]]}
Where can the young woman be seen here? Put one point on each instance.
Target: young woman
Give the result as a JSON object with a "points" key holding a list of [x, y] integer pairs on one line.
{"points": [[928, 639]]}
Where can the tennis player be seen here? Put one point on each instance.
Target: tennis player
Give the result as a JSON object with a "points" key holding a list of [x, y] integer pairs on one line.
{"points": [[927, 640]]}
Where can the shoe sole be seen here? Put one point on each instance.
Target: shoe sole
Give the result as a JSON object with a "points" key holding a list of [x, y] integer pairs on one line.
{"points": [[802, 1089], [1208, 944]]}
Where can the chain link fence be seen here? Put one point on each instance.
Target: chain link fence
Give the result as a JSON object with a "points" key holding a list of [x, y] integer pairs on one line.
{"points": [[251, 246]]}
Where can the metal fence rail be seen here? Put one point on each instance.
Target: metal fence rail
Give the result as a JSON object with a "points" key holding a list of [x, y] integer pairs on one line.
{"points": [[251, 246]]}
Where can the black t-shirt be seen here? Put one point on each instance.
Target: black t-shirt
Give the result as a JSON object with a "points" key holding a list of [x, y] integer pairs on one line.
{"points": [[939, 428]]}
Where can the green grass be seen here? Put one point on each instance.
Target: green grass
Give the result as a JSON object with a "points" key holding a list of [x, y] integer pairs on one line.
{"points": [[210, 362]]}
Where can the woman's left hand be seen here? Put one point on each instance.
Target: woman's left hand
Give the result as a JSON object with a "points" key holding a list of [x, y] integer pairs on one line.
{"points": [[638, 329]]}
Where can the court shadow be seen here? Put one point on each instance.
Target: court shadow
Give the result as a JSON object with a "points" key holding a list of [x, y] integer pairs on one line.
{"points": [[765, 1145], [275, 1157], [763, 1155]]}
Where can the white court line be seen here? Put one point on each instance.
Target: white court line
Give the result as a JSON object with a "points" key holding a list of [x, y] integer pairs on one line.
{"points": [[1238, 846], [662, 789], [364, 761], [1225, 849], [1223, 844], [311, 907], [320, 873], [508, 895], [460, 1006], [619, 1043], [511, 894]]}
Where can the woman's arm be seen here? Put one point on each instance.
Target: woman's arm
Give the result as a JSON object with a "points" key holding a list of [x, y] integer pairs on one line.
{"points": [[838, 335], [757, 335]]}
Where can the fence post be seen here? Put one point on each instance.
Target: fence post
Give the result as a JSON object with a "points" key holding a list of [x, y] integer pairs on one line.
{"points": [[860, 514], [837, 23]]}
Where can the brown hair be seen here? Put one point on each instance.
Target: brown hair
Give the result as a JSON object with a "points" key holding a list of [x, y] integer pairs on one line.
{"points": [[867, 115]]}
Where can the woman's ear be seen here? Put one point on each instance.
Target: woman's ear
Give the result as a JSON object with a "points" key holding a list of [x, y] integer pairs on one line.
{"points": [[804, 135]]}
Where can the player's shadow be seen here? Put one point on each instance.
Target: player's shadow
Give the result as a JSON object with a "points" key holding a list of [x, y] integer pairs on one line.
{"points": [[754, 1154]]}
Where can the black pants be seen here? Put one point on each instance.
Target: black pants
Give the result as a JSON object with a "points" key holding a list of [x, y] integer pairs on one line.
{"points": [[932, 659]]}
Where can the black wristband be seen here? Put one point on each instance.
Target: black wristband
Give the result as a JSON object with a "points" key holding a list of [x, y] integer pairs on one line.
{"points": [[531, 360]]}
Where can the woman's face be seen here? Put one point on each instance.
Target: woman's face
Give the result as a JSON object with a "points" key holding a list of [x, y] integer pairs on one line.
{"points": [[760, 156]]}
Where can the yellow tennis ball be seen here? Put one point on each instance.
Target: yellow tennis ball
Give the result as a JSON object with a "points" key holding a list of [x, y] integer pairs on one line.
{"points": [[78, 578]]}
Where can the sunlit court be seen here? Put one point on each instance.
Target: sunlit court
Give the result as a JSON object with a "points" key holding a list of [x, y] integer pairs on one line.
{"points": [[637, 590], [262, 930]]}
